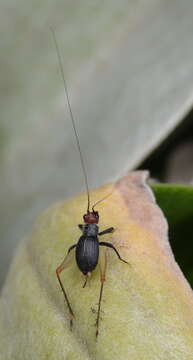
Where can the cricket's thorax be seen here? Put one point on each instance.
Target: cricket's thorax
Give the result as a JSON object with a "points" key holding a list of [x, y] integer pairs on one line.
{"points": [[87, 249], [90, 230]]}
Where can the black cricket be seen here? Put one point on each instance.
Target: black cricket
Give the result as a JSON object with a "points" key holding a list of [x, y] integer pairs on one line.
{"points": [[87, 256], [87, 248]]}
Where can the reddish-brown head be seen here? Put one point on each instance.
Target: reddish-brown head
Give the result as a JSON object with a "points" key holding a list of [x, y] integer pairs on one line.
{"points": [[91, 217]]}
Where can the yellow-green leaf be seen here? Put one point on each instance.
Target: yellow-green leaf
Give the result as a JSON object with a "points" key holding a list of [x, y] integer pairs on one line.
{"points": [[147, 307]]}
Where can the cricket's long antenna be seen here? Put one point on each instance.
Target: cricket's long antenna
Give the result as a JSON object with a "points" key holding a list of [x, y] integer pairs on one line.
{"points": [[99, 201], [71, 115]]}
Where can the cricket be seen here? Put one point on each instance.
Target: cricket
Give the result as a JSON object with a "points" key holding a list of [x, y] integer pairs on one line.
{"points": [[87, 248]]}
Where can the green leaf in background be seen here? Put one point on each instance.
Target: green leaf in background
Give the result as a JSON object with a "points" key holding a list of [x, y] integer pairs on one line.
{"points": [[176, 202]]}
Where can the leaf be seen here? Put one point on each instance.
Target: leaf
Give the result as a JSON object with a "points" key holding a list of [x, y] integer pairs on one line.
{"points": [[176, 202], [147, 307]]}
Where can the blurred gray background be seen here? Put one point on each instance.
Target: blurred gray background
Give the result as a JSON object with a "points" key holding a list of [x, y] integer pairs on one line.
{"points": [[129, 70]]}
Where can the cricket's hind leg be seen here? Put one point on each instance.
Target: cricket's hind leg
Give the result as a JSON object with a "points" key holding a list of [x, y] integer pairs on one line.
{"points": [[65, 264], [103, 268]]}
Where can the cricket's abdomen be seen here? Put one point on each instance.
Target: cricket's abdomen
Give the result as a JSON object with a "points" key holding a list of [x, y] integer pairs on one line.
{"points": [[87, 253]]}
